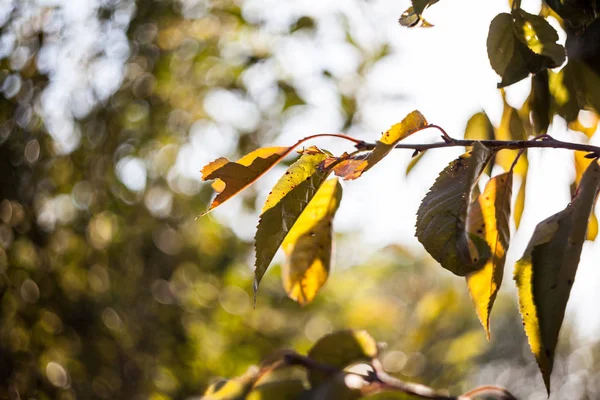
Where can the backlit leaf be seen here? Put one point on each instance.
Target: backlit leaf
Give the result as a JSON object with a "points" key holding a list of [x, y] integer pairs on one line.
{"points": [[520, 44], [545, 273], [442, 215], [489, 218], [340, 349], [511, 128], [539, 36], [479, 127], [581, 164], [233, 177], [283, 207], [308, 244], [520, 201], [354, 167]]}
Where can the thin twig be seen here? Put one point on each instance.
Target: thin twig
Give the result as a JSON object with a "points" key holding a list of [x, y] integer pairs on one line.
{"points": [[496, 145]]}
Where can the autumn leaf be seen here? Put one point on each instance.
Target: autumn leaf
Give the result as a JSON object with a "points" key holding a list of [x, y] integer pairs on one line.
{"points": [[520, 201], [353, 167], [233, 177], [546, 272], [442, 215], [512, 128], [341, 349], [308, 244], [581, 164], [489, 218], [285, 204], [479, 127]]}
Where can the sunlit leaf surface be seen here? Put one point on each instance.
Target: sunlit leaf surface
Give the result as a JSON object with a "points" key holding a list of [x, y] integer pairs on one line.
{"points": [[285, 204], [308, 244], [546, 272], [490, 219], [233, 177]]}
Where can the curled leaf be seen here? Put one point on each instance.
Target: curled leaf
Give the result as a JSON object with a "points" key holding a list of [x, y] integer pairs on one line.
{"points": [[233, 177], [442, 216], [353, 167], [285, 204], [546, 272], [489, 218], [308, 244]]}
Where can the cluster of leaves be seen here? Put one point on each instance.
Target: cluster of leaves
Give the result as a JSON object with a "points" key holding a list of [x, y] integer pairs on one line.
{"points": [[467, 232]]}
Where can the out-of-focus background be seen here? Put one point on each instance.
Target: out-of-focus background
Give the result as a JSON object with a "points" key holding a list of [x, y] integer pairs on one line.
{"points": [[109, 286]]}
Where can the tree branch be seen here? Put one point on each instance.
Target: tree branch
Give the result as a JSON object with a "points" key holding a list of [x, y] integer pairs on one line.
{"points": [[378, 380], [545, 142]]}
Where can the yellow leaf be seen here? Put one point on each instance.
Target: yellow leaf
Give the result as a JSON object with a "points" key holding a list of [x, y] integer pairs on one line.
{"points": [[285, 204], [490, 220], [581, 164], [479, 127], [546, 272], [442, 215], [354, 167], [511, 128], [233, 177], [520, 201], [413, 162], [308, 244]]}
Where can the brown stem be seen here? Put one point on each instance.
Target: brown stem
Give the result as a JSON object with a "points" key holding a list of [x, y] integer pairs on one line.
{"points": [[496, 145]]}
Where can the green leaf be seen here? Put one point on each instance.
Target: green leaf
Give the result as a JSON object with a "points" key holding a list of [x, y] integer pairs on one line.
{"points": [[308, 244], [233, 177], [489, 217], [283, 207], [520, 44], [546, 272], [442, 215], [354, 167], [340, 349]]}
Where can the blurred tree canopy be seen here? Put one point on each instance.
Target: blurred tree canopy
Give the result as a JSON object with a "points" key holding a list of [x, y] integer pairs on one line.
{"points": [[108, 286]]}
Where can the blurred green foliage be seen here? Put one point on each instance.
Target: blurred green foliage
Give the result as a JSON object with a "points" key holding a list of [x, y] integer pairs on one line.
{"points": [[108, 286]]}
